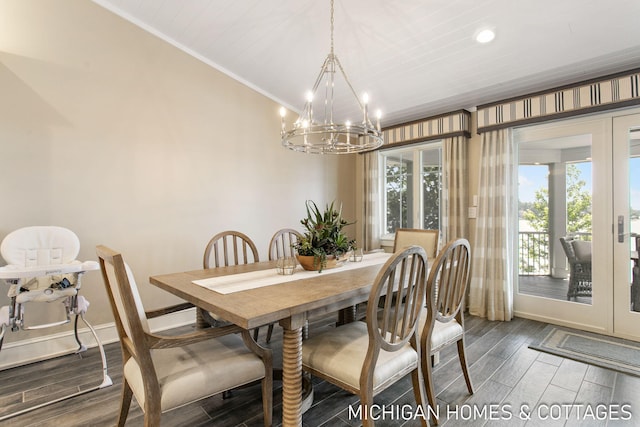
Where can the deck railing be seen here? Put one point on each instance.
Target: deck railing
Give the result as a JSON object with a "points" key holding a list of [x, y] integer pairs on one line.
{"points": [[533, 248]]}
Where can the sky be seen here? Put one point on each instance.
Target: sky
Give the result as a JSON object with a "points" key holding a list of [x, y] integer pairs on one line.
{"points": [[533, 177]]}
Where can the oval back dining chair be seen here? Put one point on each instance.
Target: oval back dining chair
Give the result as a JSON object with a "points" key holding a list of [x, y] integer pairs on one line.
{"points": [[443, 324], [365, 358], [224, 249], [165, 372], [281, 245], [428, 239], [229, 248]]}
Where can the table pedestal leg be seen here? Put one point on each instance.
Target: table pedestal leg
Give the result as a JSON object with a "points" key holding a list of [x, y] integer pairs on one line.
{"points": [[291, 376], [347, 315]]}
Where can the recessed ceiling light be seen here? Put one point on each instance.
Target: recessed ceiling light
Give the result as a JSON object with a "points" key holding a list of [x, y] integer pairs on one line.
{"points": [[485, 36]]}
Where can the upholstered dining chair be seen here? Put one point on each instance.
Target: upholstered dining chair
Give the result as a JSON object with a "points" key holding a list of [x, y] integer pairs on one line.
{"points": [[365, 358], [166, 372], [224, 249], [281, 245], [443, 323], [428, 239]]}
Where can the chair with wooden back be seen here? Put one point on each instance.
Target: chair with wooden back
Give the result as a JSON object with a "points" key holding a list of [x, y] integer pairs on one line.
{"points": [[443, 324], [428, 239], [224, 249], [365, 358], [281, 245], [166, 372]]}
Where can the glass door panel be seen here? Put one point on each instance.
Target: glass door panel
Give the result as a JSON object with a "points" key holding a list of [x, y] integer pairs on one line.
{"points": [[626, 193], [559, 197]]}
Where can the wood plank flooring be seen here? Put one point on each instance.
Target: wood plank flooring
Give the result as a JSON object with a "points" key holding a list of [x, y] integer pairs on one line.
{"points": [[507, 375]]}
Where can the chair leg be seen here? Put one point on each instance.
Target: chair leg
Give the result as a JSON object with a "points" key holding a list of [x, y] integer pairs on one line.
{"points": [[366, 402], [419, 393], [125, 403], [463, 363], [427, 373], [269, 332], [267, 399], [106, 380]]}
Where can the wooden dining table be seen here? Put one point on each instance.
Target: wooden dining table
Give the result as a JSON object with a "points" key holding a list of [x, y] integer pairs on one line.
{"points": [[254, 295]]}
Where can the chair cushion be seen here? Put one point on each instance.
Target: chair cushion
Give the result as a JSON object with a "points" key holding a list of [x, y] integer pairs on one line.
{"points": [[582, 249], [340, 353], [40, 245], [190, 373], [443, 333]]}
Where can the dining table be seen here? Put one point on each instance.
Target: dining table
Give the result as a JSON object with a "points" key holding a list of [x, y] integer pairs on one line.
{"points": [[254, 295]]}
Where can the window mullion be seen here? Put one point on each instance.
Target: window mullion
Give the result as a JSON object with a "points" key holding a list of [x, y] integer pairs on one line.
{"points": [[417, 189]]}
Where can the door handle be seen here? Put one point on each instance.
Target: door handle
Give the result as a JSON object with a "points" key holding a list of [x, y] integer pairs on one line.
{"points": [[621, 233]]}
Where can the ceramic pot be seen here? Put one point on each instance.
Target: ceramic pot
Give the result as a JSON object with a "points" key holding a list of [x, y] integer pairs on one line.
{"points": [[309, 263]]}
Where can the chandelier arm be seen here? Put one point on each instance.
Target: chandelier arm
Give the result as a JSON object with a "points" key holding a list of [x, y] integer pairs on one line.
{"points": [[346, 79], [323, 71]]}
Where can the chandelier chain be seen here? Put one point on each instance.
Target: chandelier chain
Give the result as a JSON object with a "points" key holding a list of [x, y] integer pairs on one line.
{"points": [[331, 27]]}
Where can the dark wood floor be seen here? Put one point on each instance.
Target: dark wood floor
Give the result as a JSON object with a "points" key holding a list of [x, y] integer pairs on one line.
{"points": [[506, 374]]}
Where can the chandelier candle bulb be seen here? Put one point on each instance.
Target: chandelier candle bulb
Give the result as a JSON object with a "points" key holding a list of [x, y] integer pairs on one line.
{"points": [[365, 101], [283, 113], [348, 125]]}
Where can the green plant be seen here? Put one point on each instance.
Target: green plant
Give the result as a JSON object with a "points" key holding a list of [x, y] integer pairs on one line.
{"points": [[323, 236]]}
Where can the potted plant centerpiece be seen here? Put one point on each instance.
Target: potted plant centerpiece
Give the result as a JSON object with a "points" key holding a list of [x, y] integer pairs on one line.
{"points": [[323, 244]]}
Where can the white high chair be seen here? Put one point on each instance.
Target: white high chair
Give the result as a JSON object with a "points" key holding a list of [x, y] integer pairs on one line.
{"points": [[42, 267]]}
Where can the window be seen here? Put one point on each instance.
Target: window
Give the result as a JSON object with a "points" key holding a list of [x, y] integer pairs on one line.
{"points": [[412, 184]]}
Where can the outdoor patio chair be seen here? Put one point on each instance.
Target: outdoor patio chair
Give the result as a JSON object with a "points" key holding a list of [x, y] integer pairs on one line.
{"points": [[578, 254]]}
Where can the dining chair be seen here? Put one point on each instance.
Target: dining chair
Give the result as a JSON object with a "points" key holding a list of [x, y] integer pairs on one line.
{"points": [[428, 239], [443, 323], [165, 372], [367, 357], [281, 245], [224, 249]]}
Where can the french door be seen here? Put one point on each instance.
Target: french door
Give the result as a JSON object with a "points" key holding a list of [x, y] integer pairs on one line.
{"points": [[593, 195], [626, 208]]}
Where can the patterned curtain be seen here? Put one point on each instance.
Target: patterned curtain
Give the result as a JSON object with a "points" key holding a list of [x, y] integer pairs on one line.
{"points": [[454, 185], [371, 201], [491, 293]]}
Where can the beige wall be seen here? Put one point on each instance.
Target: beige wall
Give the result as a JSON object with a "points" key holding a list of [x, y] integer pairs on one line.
{"points": [[131, 143]]}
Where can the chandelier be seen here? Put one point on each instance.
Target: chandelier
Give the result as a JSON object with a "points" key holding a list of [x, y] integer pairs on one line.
{"points": [[320, 133]]}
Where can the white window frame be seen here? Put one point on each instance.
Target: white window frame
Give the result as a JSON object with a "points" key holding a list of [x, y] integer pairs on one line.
{"points": [[417, 192]]}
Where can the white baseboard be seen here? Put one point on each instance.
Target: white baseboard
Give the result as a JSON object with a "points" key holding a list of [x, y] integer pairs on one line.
{"points": [[19, 353]]}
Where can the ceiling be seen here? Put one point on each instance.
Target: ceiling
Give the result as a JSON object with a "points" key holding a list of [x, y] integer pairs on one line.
{"points": [[415, 58]]}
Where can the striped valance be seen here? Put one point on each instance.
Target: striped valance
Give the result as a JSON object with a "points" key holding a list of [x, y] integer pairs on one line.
{"points": [[442, 126], [614, 91]]}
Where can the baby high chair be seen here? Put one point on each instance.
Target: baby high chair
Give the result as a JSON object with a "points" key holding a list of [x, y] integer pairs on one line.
{"points": [[42, 267]]}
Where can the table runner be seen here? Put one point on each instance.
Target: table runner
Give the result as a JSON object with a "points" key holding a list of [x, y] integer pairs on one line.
{"points": [[257, 279]]}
